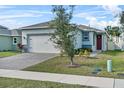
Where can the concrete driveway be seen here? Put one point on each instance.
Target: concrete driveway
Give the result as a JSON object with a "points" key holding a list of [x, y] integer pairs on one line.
{"points": [[24, 60]]}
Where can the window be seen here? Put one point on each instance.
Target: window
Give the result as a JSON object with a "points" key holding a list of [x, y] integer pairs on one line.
{"points": [[14, 40], [85, 36]]}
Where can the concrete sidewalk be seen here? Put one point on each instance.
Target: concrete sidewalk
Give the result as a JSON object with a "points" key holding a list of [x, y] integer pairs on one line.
{"points": [[64, 78]]}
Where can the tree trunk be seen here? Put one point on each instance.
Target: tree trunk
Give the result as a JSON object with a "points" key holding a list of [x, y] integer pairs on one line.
{"points": [[71, 61]]}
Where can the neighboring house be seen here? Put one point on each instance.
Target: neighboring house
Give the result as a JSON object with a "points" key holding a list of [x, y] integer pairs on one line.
{"points": [[9, 39], [16, 38], [5, 39], [36, 38], [116, 42]]}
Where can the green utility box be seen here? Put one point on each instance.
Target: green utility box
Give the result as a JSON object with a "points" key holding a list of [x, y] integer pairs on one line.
{"points": [[109, 65]]}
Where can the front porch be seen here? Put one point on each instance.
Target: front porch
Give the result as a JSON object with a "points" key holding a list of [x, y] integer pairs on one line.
{"points": [[98, 42]]}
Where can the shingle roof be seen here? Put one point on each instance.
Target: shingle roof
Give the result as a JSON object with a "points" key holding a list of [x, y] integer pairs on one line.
{"points": [[47, 25], [4, 31], [3, 27], [37, 26], [87, 28]]}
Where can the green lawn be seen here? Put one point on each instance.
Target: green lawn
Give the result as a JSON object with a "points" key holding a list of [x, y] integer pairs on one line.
{"points": [[88, 65], [21, 83], [8, 53], [112, 53]]}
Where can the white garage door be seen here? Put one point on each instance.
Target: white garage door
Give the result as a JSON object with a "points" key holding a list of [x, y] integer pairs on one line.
{"points": [[41, 44]]}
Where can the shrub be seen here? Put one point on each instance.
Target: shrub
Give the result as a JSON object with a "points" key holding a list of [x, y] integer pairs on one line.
{"points": [[20, 46], [86, 52], [88, 49], [81, 53], [82, 50], [77, 51]]}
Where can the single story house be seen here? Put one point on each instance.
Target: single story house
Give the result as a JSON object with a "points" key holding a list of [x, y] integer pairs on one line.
{"points": [[35, 38], [5, 39]]}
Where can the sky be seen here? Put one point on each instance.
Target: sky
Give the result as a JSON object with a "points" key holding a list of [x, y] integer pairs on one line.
{"points": [[98, 16]]}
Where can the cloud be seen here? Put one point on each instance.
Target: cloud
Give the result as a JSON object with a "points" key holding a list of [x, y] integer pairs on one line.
{"points": [[87, 16], [113, 9], [84, 15], [24, 15], [40, 12], [102, 21], [102, 24], [11, 23], [95, 22], [11, 18]]}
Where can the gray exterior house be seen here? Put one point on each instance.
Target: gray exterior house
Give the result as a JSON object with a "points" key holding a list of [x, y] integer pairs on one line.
{"points": [[9, 39], [36, 38], [16, 39], [5, 39]]}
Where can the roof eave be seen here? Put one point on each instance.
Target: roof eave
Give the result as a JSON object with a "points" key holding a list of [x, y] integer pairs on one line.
{"points": [[35, 28]]}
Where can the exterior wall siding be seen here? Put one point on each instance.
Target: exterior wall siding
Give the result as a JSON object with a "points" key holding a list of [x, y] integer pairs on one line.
{"points": [[78, 40], [15, 46], [5, 43], [38, 31], [79, 43]]}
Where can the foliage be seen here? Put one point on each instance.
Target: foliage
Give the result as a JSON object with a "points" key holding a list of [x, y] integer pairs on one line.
{"points": [[63, 37], [20, 46], [122, 21], [82, 50], [88, 64], [112, 52], [8, 53], [122, 18], [114, 31], [86, 52], [81, 53]]}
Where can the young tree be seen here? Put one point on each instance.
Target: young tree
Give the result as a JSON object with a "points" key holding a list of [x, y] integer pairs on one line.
{"points": [[122, 20], [64, 35], [114, 31]]}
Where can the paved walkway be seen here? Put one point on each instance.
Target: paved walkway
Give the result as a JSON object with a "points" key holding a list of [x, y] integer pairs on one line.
{"points": [[24, 60], [64, 78], [93, 54]]}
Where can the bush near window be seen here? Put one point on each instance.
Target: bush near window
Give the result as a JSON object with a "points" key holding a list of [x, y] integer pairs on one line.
{"points": [[20, 46], [83, 51]]}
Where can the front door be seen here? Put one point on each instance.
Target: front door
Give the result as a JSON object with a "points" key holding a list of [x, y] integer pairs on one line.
{"points": [[99, 42]]}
